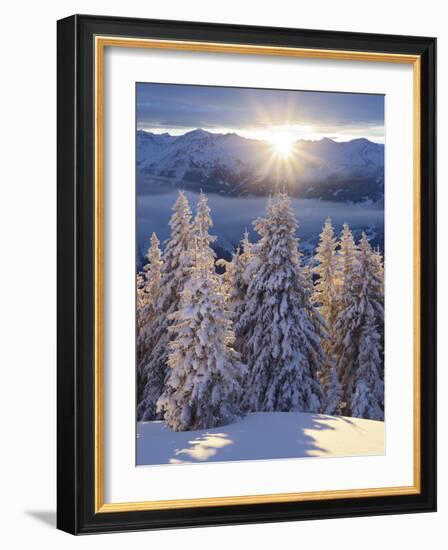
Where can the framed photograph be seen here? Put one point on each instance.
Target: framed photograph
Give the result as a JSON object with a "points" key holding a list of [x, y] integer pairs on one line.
{"points": [[246, 274]]}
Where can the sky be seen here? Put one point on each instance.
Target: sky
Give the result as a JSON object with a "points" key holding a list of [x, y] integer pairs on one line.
{"points": [[260, 113]]}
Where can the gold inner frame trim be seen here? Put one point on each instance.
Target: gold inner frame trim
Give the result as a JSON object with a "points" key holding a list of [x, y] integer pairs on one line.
{"points": [[101, 42]]}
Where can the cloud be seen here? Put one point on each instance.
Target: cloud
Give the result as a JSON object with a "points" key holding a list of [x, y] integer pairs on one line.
{"points": [[248, 110]]}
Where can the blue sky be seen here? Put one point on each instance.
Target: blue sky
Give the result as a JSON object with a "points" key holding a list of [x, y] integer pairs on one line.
{"points": [[258, 113]]}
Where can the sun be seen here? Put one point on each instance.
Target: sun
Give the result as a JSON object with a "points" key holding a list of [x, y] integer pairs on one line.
{"points": [[282, 143]]}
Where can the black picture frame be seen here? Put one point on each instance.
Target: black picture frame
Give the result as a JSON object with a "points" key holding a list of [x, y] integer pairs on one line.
{"points": [[76, 262]]}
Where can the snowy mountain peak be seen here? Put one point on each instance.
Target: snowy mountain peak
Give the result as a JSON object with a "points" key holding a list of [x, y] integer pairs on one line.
{"points": [[232, 165], [198, 133], [327, 140]]}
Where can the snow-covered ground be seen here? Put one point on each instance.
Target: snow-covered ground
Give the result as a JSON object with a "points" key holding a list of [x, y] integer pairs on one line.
{"points": [[261, 436]]}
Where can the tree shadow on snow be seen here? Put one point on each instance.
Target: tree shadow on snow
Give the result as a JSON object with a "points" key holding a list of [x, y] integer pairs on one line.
{"points": [[258, 436]]}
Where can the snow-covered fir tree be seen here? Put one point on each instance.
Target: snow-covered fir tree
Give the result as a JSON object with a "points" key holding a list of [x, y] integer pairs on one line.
{"points": [[325, 289], [325, 297], [357, 326], [148, 287], [284, 329], [233, 276], [203, 388], [246, 255], [368, 396], [228, 276], [379, 270], [200, 233], [346, 323], [235, 281], [140, 306], [177, 262], [148, 292], [141, 297], [379, 266], [367, 400]]}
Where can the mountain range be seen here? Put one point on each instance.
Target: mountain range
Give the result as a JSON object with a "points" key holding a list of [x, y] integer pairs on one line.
{"points": [[235, 166]]}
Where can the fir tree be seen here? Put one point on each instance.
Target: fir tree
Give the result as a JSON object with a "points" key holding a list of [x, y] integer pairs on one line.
{"points": [[368, 397], [325, 289], [378, 271], [283, 328], [203, 240], [148, 287], [141, 298], [148, 292], [346, 325], [372, 277], [174, 273], [325, 297], [234, 277], [378, 268], [357, 346], [368, 394], [229, 274], [235, 282], [246, 256], [141, 301], [203, 387]]}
